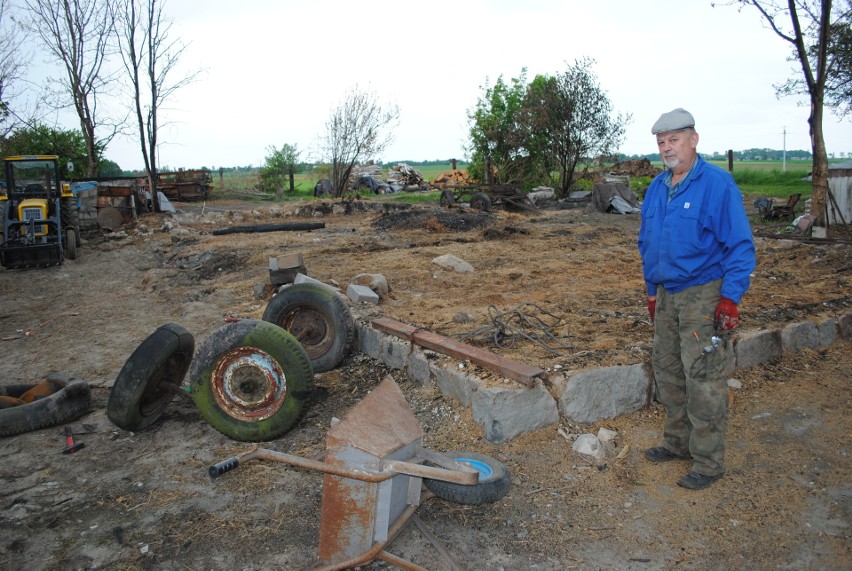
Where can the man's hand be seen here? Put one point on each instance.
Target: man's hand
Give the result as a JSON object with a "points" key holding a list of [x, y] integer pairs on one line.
{"points": [[727, 314], [652, 307]]}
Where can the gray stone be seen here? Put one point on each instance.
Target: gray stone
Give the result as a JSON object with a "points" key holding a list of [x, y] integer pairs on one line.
{"points": [[844, 325], [362, 294], [369, 340], [456, 384], [594, 394], [395, 352], [451, 262], [756, 347], [303, 279], [797, 336], [418, 369], [505, 413], [590, 447], [376, 282], [827, 332]]}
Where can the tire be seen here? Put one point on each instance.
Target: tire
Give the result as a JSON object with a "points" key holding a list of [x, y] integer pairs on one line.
{"points": [[494, 481], [71, 243], [147, 382], [480, 201], [64, 406], [318, 318], [251, 380], [447, 198], [70, 218]]}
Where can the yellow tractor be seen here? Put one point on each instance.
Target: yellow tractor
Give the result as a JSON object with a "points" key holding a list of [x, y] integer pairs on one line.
{"points": [[40, 219]]}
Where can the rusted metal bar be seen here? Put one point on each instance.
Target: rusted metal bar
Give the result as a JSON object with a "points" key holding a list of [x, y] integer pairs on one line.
{"points": [[400, 467]]}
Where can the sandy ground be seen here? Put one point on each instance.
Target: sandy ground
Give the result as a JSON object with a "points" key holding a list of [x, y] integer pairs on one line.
{"points": [[144, 500]]}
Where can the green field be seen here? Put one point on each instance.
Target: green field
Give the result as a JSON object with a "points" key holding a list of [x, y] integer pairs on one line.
{"points": [[755, 179]]}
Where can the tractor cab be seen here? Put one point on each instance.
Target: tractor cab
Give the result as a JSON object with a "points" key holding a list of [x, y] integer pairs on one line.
{"points": [[39, 214]]}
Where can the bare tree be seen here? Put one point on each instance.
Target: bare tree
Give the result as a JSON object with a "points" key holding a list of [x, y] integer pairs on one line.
{"points": [[358, 129], [808, 25], [150, 57], [77, 34], [12, 67]]}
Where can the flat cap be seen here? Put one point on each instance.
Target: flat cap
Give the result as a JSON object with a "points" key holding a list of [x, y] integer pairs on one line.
{"points": [[673, 121]]}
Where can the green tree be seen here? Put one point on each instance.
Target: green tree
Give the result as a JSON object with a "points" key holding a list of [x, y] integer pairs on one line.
{"points": [[280, 165], [497, 148], [809, 25], [69, 146], [571, 118]]}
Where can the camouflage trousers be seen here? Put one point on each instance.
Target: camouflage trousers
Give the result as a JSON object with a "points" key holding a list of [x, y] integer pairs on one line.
{"points": [[690, 375]]}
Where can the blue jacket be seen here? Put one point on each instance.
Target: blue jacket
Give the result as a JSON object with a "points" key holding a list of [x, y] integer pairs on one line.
{"points": [[701, 235]]}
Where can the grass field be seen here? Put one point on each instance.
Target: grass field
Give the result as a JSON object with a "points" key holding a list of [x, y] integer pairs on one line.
{"points": [[755, 179]]}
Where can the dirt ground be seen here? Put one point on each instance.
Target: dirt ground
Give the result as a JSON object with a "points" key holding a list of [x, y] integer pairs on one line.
{"points": [[144, 500]]}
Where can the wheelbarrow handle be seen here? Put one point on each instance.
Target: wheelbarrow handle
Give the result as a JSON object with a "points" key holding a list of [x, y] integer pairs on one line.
{"points": [[220, 468]]}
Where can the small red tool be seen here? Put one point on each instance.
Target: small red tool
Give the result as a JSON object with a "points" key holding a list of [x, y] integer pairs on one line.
{"points": [[70, 446]]}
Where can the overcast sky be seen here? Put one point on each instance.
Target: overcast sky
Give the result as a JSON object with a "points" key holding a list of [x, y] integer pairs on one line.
{"points": [[272, 71]]}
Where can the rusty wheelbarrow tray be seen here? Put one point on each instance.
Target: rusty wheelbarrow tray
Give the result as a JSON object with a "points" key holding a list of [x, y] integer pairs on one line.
{"points": [[373, 468]]}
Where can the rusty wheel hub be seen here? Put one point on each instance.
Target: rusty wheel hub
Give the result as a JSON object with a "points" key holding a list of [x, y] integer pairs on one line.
{"points": [[248, 384]]}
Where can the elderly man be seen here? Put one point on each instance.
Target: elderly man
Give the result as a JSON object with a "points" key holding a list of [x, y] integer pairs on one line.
{"points": [[697, 258]]}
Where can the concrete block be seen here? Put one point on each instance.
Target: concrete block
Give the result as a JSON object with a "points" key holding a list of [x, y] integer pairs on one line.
{"points": [[456, 384], [504, 413], [395, 352], [590, 395], [369, 340], [827, 332], [303, 279], [844, 326], [756, 347], [418, 369], [358, 294], [286, 261], [797, 336]]}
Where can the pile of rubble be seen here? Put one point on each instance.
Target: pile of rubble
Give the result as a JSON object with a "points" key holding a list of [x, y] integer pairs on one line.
{"points": [[406, 178], [635, 168], [452, 179]]}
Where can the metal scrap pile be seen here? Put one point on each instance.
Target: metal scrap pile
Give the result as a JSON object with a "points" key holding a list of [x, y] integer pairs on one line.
{"points": [[635, 168]]}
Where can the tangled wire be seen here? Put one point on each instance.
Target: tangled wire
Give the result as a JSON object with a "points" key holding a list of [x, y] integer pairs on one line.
{"points": [[507, 327]]}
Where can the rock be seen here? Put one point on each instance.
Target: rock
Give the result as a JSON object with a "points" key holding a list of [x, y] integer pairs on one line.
{"points": [[590, 447], [451, 262], [375, 282]]}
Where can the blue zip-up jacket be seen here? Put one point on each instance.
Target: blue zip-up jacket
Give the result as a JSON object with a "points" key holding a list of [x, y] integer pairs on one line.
{"points": [[700, 235]]}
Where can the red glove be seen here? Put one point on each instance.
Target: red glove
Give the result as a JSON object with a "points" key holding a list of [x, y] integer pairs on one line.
{"points": [[727, 314], [652, 307]]}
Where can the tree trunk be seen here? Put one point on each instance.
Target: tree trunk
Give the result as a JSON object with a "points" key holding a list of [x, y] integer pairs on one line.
{"points": [[819, 172]]}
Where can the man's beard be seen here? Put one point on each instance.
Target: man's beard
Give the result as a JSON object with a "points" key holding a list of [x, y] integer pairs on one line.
{"points": [[671, 163]]}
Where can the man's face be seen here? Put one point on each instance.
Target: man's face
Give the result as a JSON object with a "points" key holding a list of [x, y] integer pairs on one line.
{"points": [[677, 148]]}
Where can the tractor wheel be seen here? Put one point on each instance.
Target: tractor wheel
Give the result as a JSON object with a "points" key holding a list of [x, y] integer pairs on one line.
{"points": [[480, 201], [71, 243], [318, 318], [251, 380], [150, 378], [493, 482], [447, 198], [70, 218], [64, 406]]}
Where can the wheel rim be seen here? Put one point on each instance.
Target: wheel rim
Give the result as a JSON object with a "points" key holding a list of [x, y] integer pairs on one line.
{"points": [[310, 328], [484, 469], [248, 384], [154, 397]]}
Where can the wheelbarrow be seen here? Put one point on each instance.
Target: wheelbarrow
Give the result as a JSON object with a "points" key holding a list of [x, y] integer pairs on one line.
{"points": [[375, 468]]}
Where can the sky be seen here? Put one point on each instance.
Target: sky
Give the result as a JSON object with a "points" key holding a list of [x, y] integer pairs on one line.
{"points": [[271, 72]]}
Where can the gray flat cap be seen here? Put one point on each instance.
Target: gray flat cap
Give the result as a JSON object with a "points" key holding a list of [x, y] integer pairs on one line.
{"points": [[673, 121]]}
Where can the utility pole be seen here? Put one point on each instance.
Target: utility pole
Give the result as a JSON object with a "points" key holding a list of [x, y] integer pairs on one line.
{"points": [[784, 153]]}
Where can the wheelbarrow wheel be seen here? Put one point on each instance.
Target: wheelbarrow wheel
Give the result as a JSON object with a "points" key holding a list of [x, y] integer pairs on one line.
{"points": [[150, 377], [251, 380], [318, 318], [480, 201], [494, 481], [447, 198]]}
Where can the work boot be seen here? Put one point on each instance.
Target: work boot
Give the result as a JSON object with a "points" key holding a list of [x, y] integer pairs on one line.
{"points": [[696, 481], [661, 454]]}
